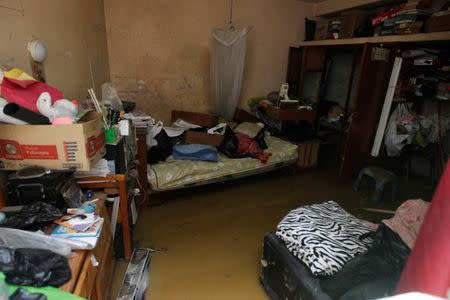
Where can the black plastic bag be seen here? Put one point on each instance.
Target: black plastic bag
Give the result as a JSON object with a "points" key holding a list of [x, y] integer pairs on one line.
{"points": [[260, 139], [22, 294], [162, 151], [34, 267], [372, 274], [33, 215], [230, 144]]}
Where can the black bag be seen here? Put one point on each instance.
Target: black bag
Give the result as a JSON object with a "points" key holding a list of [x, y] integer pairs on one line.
{"points": [[260, 139], [32, 216], [230, 144], [372, 274], [162, 151], [22, 294], [35, 267]]}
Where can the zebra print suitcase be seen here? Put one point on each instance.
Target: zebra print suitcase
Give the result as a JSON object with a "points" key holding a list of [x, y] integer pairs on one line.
{"points": [[284, 276]]}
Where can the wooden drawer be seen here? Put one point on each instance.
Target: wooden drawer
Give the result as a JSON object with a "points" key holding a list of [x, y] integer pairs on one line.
{"points": [[101, 255], [87, 277], [105, 272]]}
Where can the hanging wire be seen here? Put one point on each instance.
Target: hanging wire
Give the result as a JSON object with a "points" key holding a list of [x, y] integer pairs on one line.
{"points": [[231, 13]]}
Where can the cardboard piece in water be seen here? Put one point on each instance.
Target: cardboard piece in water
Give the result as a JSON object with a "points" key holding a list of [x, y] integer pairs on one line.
{"points": [[78, 145], [136, 279]]}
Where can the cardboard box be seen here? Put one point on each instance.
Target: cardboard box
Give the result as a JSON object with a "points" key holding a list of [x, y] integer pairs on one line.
{"points": [[321, 32], [194, 137], [410, 28], [53, 146], [350, 21], [308, 154], [438, 22]]}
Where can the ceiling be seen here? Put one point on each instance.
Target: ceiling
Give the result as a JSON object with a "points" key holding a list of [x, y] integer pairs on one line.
{"points": [[313, 1]]}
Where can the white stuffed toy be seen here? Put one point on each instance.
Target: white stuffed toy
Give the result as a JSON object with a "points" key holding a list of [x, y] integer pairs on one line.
{"points": [[62, 108]]}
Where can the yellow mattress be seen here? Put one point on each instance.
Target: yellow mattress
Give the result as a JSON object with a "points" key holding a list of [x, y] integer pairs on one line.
{"points": [[174, 174]]}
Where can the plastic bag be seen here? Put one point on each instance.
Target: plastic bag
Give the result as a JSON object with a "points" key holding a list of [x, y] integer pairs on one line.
{"points": [[163, 149], [32, 215], [35, 267], [395, 141], [16, 238], [230, 144], [22, 294], [373, 274], [109, 94], [153, 129]]}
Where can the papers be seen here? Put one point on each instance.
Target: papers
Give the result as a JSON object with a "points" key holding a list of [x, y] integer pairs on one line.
{"points": [[100, 169], [93, 231], [78, 223]]}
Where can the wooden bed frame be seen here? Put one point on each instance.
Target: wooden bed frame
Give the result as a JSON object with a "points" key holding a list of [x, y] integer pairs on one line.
{"points": [[207, 120]]}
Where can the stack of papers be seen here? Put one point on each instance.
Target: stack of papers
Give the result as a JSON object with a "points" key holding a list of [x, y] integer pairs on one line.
{"points": [[87, 230], [139, 120], [100, 169]]}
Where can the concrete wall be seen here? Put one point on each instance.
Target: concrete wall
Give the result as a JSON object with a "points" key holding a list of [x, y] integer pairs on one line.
{"points": [[159, 49], [70, 29]]}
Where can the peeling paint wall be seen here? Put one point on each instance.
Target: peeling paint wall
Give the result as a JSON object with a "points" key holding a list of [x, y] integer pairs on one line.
{"points": [[72, 30], [159, 50]]}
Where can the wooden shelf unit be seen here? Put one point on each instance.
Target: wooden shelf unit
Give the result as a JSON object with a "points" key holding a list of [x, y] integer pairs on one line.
{"points": [[411, 38]]}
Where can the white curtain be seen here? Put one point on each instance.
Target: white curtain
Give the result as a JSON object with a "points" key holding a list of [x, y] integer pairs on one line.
{"points": [[227, 68]]}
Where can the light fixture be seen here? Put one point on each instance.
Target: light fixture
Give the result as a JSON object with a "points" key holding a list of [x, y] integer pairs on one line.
{"points": [[37, 50]]}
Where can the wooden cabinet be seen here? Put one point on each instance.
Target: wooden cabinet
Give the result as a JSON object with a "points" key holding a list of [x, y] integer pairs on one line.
{"points": [[368, 103], [364, 101], [92, 270]]}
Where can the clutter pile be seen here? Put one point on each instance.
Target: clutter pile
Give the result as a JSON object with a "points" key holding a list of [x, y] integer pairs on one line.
{"points": [[352, 258], [406, 17], [39, 228], [187, 141]]}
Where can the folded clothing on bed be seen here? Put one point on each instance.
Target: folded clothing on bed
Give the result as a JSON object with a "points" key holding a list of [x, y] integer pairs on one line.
{"points": [[195, 152], [324, 236]]}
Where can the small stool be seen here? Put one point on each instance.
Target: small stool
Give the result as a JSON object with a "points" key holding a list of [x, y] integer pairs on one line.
{"points": [[382, 177]]}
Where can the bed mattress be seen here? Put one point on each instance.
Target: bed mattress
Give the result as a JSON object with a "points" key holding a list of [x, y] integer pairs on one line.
{"points": [[175, 174], [284, 276]]}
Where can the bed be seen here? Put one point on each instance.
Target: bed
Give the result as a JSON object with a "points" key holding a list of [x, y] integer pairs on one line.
{"points": [[177, 174]]}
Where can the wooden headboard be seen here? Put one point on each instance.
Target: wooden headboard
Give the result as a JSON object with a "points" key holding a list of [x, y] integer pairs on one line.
{"points": [[209, 120], [202, 119], [241, 115]]}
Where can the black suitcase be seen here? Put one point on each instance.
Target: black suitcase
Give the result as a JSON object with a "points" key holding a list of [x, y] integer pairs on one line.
{"points": [[284, 276]]}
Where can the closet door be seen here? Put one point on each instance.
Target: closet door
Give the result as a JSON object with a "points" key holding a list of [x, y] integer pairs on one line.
{"points": [[293, 71], [369, 97], [307, 63], [311, 75]]}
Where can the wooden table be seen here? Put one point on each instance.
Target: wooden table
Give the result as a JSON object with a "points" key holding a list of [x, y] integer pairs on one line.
{"points": [[116, 181], [278, 114]]}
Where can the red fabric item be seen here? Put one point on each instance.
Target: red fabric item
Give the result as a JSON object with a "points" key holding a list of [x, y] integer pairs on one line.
{"points": [[379, 18], [26, 92], [428, 266], [248, 146]]}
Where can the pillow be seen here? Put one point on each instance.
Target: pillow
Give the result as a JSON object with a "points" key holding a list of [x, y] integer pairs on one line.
{"points": [[250, 129], [195, 152]]}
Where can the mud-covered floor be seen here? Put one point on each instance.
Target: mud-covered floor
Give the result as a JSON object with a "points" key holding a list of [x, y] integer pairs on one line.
{"points": [[210, 239]]}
